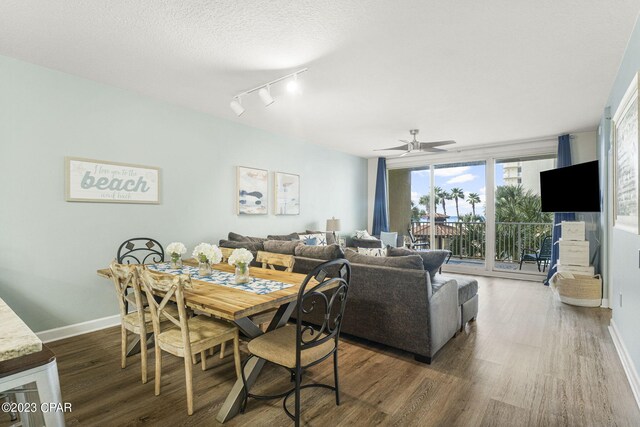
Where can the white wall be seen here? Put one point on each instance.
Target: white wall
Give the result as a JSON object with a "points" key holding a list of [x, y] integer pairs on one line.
{"points": [[50, 249]]}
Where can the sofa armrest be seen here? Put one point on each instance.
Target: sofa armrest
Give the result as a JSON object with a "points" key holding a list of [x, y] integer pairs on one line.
{"points": [[443, 315], [366, 243]]}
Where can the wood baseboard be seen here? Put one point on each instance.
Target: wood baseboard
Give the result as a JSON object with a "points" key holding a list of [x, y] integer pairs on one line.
{"points": [[68, 331], [627, 363]]}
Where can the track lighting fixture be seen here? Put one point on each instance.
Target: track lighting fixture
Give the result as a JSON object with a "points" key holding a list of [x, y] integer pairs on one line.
{"points": [[264, 91], [265, 96], [236, 106]]}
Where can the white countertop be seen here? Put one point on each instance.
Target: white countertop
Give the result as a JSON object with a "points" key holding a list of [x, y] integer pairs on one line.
{"points": [[16, 339]]}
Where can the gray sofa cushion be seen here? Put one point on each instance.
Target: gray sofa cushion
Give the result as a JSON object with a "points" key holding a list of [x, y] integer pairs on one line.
{"points": [[252, 246], [366, 243], [235, 237], [431, 259], [467, 287], [288, 237], [330, 239], [286, 247], [326, 253], [412, 262]]}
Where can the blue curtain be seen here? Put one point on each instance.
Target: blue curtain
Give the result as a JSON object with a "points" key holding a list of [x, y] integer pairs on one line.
{"points": [[380, 220], [564, 159]]}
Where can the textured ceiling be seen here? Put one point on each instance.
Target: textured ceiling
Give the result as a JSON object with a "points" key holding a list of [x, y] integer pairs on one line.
{"points": [[475, 71]]}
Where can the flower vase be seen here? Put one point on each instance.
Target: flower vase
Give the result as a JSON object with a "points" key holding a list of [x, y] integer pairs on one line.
{"points": [[176, 262], [204, 269], [242, 273]]}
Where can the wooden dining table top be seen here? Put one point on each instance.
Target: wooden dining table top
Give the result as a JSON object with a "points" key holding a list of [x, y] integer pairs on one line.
{"points": [[232, 304]]}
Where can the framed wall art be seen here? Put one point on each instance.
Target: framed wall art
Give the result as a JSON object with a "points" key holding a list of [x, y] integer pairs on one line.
{"points": [[626, 161], [88, 180], [287, 193], [252, 191]]}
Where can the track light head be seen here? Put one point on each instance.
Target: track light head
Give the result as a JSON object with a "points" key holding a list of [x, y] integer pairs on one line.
{"points": [[236, 106], [265, 95]]}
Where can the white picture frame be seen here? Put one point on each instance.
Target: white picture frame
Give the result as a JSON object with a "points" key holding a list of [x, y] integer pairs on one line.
{"points": [[252, 191], [286, 193], [626, 160], [99, 181]]}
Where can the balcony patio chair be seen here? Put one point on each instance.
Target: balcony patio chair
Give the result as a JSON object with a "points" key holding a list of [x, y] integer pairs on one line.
{"points": [[415, 244], [541, 257]]}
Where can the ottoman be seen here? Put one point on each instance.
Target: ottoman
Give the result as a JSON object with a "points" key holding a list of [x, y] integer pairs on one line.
{"points": [[467, 297]]}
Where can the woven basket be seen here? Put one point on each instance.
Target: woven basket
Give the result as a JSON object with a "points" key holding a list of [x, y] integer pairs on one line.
{"points": [[576, 289]]}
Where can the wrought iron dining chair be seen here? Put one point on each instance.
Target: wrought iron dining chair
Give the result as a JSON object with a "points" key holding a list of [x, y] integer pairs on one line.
{"points": [[140, 250], [125, 278], [299, 347], [541, 257], [188, 335]]}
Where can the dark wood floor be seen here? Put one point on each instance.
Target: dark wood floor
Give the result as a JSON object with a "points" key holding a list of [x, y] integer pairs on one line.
{"points": [[527, 361]]}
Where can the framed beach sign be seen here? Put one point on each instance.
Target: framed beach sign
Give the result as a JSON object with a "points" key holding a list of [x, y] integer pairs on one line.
{"points": [[287, 193], [252, 191], [88, 180], [626, 159]]}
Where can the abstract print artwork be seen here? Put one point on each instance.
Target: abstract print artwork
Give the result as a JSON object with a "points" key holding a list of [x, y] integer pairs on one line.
{"points": [[252, 191], [287, 194]]}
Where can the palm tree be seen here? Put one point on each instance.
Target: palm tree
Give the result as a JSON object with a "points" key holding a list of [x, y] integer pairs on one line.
{"points": [[424, 201], [457, 193], [473, 198], [444, 196]]}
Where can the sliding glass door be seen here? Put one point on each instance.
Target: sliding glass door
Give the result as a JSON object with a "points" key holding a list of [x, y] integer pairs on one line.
{"points": [[522, 231]]}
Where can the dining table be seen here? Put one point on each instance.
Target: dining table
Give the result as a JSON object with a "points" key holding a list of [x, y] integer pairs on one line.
{"points": [[242, 308]]}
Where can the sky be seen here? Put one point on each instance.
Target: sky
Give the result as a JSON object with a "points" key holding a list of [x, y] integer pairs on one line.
{"points": [[470, 178]]}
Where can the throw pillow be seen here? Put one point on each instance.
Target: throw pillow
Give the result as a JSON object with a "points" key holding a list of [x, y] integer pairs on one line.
{"points": [[364, 235], [373, 251], [235, 237], [281, 246], [412, 262], [321, 239], [431, 259], [325, 253], [289, 237], [252, 246], [389, 238], [329, 236]]}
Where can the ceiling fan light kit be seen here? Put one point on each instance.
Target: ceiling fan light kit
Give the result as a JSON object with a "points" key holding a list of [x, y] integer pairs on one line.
{"points": [[415, 145], [264, 91]]}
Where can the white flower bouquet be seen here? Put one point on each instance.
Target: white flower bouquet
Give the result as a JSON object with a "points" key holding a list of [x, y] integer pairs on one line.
{"points": [[176, 250], [207, 253], [240, 257]]}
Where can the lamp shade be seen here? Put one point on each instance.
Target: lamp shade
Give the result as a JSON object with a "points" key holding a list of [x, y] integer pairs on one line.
{"points": [[333, 224]]}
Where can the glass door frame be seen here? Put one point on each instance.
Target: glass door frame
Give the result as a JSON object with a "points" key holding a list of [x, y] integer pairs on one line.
{"points": [[489, 155]]}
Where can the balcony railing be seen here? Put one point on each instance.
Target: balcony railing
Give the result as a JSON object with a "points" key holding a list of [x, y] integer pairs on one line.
{"points": [[468, 239]]}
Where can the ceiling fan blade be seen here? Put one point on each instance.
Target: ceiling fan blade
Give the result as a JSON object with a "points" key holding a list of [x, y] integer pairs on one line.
{"points": [[400, 147], [436, 143], [404, 154], [432, 150]]}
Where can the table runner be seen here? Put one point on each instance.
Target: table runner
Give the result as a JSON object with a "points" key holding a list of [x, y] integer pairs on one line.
{"points": [[255, 285]]}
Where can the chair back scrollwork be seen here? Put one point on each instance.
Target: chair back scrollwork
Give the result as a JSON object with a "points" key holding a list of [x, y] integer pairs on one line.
{"points": [[328, 294], [140, 250]]}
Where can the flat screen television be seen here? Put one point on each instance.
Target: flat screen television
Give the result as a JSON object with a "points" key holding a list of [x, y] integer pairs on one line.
{"points": [[571, 189]]}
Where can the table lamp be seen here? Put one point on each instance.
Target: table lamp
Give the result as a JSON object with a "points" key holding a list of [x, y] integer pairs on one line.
{"points": [[333, 225]]}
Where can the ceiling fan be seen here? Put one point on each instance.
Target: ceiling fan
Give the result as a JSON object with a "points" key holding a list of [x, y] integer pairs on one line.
{"points": [[415, 145]]}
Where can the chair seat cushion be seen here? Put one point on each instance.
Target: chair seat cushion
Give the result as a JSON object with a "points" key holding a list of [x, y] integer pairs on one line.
{"points": [[279, 346], [467, 287], [201, 328]]}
